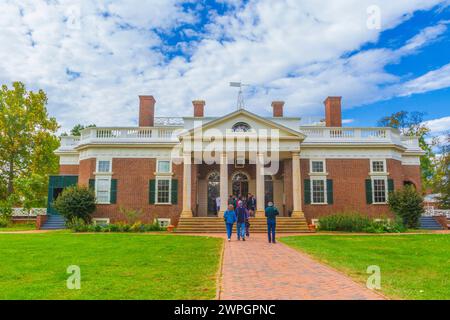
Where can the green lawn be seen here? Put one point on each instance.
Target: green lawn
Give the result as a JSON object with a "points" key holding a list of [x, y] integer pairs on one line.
{"points": [[113, 266], [412, 266], [19, 227]]}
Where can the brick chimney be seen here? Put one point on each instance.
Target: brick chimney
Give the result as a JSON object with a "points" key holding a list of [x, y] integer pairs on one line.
{"points": [[146, 111], [199, 108], [277, 108], [333, 114]]}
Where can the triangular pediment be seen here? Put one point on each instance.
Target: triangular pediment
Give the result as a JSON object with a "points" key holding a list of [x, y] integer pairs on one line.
{"points": [[256, 123]]}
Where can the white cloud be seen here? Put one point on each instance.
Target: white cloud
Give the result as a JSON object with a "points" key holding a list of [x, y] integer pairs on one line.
{"points": [[433, 80], [440, 125], [290, 50]]}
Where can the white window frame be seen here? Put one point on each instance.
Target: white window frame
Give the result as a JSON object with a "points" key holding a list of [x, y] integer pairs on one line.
{"points": [[378, 172], [98, 164], [163, 222], [102, 177], [386, 187], [157, 190], [325, 196], [324, 163], [157, 167], [105, 220]]}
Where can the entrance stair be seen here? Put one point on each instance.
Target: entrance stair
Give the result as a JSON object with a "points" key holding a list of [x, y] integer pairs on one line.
{"points": [[257, 225]]}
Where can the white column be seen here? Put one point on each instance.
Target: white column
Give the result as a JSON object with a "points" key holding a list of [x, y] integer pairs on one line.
{"points": [[223, 183], [187, 211], [296, 186], [260, 195]]}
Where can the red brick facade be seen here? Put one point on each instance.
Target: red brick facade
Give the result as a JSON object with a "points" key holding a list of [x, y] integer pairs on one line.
{"points": [[69, 169], [348, 177], [133, 176], [349, 192]]}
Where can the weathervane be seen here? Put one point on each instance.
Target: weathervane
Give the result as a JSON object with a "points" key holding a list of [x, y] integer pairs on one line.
{"points": [[240, 99]]}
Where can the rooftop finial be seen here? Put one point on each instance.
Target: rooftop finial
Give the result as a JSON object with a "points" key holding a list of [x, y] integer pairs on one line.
{"points": [[240, 99]]}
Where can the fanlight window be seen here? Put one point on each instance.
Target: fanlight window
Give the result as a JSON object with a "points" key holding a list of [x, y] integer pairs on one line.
{"points": [[241, 127]]}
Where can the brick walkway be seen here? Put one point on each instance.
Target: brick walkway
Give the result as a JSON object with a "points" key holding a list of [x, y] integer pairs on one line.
{"points": [[257, 270]]}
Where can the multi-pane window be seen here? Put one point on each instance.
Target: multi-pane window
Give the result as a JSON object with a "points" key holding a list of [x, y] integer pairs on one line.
{"points": [[103, 188], [104, 166], [163, 191], [318, 191], [379, 190], [378, 166], [317, 166], [163, 166]]}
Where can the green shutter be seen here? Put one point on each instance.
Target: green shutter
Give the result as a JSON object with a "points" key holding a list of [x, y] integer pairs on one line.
{"points": [[330, 191], [113, 194], [390, 185], [307, 191], [369, 191], [174, 191], [51, 186], [151, 191], [92, 184]]}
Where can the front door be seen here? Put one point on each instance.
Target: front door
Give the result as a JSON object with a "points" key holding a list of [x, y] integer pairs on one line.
{"points": [[240, 185]]}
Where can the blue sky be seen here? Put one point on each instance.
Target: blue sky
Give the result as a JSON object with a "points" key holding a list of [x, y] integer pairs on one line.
{"points": [[94, 58]]}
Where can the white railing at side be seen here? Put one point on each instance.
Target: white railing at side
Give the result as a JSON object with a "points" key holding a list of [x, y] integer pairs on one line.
{"points": [[343, 134], [22, 212], [129, 134]]}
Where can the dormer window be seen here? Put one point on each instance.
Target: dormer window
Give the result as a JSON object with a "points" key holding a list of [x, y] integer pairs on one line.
{"points": [[241, 127]]}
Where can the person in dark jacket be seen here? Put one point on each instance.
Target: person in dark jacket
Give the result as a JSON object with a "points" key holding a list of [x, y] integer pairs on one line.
{"points": [[251, 204], [241, 216], [271, 213], [230, 218]]}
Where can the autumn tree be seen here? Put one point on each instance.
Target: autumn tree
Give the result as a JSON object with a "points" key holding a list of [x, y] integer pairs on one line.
{"points": [[411, 124], [27, 142], [441, 181]]}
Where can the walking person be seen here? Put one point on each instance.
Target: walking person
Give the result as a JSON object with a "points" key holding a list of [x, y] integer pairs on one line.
{"points": [[230, 218], [217, 205], [242, 216], [271, 213]]}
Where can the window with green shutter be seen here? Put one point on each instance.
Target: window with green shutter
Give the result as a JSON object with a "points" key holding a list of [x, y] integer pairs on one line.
{"points": [[92, 184], [174, 195], [329, 191], [113, 194], [369, 191], [307, 191], [151, 191], [390, 185]]}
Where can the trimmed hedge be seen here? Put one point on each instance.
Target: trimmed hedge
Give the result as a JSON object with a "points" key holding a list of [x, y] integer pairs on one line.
{"points": [[78, 225], [355, 222]]}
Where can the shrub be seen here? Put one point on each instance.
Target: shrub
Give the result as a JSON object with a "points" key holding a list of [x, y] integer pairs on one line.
{"points": [[76, 202], [407, 204], [350, 222], [79, 225], [4, 221], [355, 222]]}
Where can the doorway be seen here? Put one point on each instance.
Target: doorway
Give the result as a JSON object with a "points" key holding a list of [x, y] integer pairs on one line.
{"points": [[240, 184]]}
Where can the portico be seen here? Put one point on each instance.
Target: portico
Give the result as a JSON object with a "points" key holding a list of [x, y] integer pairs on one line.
{"points": [[240, 154]]}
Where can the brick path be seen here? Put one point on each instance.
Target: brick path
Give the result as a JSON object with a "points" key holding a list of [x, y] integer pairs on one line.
{"points": [[257, 270]]}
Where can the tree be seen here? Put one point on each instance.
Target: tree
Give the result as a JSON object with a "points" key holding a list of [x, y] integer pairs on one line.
{"points": [[407, 204], [76, 202], [411, 124], [76, 130], [27, 137], [442, 178]]}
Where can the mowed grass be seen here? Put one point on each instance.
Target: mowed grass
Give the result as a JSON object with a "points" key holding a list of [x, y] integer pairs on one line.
{"points": [[113, 266], [19, 227], [412, 266]]}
